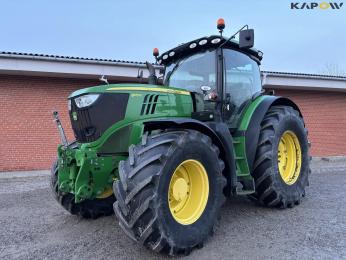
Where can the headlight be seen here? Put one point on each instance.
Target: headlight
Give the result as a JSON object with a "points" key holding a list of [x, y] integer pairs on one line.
{"points": [[203, 42], [86, 100]]}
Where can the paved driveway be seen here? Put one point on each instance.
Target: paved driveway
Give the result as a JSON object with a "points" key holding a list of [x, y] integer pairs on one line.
{"points": [[34, 226]]}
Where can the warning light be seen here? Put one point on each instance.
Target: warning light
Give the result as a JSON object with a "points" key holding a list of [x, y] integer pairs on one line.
{"points": [[220, 24], [156, 52]]}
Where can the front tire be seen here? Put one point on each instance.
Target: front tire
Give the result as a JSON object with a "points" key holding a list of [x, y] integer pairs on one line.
{"points": [[170, 191], [282, 162]]}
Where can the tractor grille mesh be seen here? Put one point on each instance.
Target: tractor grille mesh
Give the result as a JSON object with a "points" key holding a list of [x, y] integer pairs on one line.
{"points": [[90, 123]]}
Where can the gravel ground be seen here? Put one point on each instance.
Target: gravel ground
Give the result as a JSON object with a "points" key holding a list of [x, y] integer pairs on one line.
{"points": [[34, 226]]}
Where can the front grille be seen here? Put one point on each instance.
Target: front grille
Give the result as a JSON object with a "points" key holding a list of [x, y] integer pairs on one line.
{"points": [[90, 123]]}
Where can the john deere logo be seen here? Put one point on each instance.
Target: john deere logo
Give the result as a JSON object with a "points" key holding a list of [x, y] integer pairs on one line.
{"points": [[74, 116], [316, 6]]}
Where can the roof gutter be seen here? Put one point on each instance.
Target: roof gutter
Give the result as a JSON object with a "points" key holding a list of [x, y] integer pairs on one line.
{"points": [[74, 60]]}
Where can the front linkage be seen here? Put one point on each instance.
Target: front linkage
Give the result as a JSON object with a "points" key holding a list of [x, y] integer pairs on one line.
{"points": [[82, 172]]}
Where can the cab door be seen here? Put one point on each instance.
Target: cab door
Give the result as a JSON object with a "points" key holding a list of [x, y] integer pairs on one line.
{"points": [[241, 81]]}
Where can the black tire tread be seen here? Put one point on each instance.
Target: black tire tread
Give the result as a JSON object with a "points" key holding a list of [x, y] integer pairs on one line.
{"points": [[266, 193], [131, 218]]}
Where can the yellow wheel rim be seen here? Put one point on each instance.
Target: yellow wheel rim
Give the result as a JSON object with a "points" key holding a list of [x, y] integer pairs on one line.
{"points": [[188, 192], [105, 194], [289, 157]]}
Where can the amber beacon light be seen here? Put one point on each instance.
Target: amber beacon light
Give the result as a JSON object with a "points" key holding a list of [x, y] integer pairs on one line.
{"points": [[220, 25], [156, 52]]}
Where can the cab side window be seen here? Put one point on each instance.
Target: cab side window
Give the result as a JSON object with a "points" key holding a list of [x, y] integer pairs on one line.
{"points": [[241, 80]]}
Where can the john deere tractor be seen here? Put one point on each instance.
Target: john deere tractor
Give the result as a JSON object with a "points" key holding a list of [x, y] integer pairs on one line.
{"points": [[165, 155]]}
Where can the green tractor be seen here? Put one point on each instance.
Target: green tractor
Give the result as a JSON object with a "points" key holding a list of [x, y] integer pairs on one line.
{"points": [[164, 156]]}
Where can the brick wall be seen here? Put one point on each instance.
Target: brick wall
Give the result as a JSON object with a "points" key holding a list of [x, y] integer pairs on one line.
{"points": [[29, 137], [325, 117]]}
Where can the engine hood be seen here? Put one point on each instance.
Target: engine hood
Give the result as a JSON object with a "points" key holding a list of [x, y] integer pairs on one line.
{"points": [[130, 88]]}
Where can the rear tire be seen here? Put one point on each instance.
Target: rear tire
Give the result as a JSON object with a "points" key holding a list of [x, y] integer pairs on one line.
{"points": [[143, 206], [86, 209], [272, 189]]}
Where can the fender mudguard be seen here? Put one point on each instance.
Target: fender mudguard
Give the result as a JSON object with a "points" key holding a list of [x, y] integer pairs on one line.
{"points": [[253, 129], [217, 131]]}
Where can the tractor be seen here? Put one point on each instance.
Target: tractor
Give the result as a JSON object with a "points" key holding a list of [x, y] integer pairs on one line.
{"points": [[165, 155]]}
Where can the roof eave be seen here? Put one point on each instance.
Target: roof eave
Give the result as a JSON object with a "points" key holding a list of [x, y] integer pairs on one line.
{"points": [[300, 81]]}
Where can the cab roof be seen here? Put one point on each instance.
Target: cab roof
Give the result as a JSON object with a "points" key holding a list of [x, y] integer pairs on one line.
{"points": [[210, 43]]}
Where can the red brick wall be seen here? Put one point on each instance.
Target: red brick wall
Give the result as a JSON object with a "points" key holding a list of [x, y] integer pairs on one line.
{"points": [[28, 135], [325, 117]]}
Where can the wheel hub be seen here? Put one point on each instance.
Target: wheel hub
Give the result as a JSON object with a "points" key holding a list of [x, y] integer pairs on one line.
{"points": [[188, 192], [289, 157], [180, 189]]}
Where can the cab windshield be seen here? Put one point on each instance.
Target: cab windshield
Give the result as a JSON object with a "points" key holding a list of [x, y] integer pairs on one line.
{"points": [[193, 72]]}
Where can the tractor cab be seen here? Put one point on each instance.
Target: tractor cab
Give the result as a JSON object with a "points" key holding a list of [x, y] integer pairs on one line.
{"points": [[222, 74]]}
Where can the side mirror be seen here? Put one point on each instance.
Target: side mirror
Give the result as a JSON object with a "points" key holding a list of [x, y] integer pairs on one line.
{"points": [[246, 38]]}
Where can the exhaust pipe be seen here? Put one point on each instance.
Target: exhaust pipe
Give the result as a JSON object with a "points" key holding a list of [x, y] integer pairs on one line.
{"points": [[152, 80]]}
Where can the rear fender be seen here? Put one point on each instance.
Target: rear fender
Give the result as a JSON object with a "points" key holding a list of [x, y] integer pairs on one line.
{"points": [[251, 130]]}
